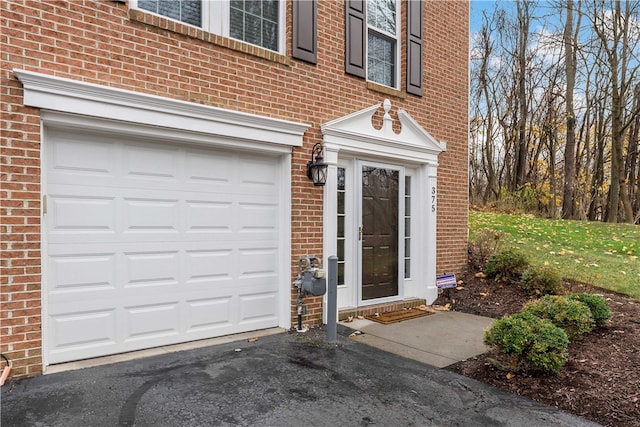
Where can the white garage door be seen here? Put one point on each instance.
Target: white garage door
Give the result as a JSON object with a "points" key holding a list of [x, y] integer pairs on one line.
{"points": [[150, 244]]}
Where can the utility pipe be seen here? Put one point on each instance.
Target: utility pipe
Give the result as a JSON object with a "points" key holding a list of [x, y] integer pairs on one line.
{"points": [[332, 300]]}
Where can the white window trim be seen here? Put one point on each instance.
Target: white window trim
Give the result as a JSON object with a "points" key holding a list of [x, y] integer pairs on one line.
{"points": [[395, 37], [220, 24]]}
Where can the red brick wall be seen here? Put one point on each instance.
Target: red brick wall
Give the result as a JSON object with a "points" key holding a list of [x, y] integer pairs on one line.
{"points": [[103, 42]]}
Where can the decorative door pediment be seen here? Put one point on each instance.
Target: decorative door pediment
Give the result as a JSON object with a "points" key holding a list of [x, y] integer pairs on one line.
{"points": [[356, 134]]}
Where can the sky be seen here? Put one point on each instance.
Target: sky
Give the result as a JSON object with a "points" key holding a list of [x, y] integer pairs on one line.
{"points": [[477, 6]]}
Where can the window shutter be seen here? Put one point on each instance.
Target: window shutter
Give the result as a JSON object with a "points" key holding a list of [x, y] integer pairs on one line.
{"points": [[356, 27], [414, 47], [305, 22]]}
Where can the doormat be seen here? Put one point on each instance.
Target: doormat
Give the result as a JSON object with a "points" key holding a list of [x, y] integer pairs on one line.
{"points": [[398, 316]]}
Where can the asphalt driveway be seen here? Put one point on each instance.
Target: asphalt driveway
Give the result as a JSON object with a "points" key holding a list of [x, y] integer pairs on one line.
{"points": [[286, 379]]}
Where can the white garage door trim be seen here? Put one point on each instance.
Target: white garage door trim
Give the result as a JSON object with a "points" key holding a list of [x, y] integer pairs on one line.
{"points": [[100, 109], [200, 121]]}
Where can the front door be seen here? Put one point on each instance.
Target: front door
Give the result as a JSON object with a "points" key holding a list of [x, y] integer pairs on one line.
{"points": [[379, 232]]}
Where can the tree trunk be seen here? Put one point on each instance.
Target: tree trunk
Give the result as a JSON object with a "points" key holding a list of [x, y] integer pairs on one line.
{"points": [[521, 160], [596, 206], [617, 63], [632, 156], [570, 146]]}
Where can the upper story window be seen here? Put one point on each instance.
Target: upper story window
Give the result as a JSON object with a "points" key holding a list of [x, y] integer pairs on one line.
{"points": [[258, 22], [373, 42], [255, 22], [382, 41], [187, 11]]}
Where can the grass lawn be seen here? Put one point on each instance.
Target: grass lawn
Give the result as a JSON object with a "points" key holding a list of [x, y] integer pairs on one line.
{"points": [[600, 254]]}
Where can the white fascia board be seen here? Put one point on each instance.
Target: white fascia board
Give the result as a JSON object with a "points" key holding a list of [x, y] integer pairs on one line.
{"points": [[75, 97], [409, 125], [366, 145]]}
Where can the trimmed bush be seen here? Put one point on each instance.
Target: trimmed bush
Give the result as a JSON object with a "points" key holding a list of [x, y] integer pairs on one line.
{"points": [[600, 310], [529, 342], [508, 264], [541, 281], [571, 315]]}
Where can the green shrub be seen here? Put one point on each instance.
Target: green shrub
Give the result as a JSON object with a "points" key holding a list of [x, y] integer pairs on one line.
{"points": [[529, 342], [541, 281], [507, 264], [600, 310], [571, 315]]}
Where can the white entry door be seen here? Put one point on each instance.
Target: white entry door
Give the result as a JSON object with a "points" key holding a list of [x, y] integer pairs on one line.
{"points": [[151, 243]]}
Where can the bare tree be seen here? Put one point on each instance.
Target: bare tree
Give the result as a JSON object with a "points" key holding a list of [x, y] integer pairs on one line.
{"points": [[612, 28], [554, 108], [632, 165], [570, 44], [488, 161], [524, 20]]}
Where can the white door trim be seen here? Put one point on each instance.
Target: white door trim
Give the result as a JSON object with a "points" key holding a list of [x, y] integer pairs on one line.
{"points": [[354, 137]]}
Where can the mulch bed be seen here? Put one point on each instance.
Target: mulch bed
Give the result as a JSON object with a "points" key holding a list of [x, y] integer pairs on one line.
{"points": [[601, 380]]}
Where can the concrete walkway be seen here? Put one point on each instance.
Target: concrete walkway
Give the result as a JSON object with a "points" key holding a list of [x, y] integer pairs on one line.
{"points": [[440, 339]]}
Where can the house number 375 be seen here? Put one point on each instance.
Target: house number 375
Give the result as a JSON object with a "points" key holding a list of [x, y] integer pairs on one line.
{"points": [[433, 198]]}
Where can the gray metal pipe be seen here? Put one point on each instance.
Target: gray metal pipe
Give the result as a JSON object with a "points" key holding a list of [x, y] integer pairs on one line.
{"points": [[332, 299]]}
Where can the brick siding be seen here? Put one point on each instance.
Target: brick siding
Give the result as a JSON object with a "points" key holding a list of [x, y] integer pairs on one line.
{"points": [[104, 42]]}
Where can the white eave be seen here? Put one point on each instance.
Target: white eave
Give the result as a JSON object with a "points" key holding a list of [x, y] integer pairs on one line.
{"points": [[87, 99]]}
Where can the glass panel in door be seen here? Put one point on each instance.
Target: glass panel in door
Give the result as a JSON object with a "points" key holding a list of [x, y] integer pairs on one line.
{"points": [[380, 188]]}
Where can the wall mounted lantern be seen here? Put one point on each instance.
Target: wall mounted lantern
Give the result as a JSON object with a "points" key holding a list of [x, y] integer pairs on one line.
{"points": [[316, 167]]}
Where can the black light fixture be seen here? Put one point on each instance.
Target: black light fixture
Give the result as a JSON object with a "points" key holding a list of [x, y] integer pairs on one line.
{"points": [[316, 167]]}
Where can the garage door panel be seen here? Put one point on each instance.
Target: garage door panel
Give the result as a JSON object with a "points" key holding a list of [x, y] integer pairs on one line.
{"points": [[82, 272], [90, 217], [151, 321], [156, 244], [82, 330], [151, 162], [207, 169], [209, 313], [258, 261], [152, 267], [82, 214], [257, 285], [254, 308], [209, 216], [258, 173], [255, 216], [77, 154], [151, 215], [209, 264]]}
